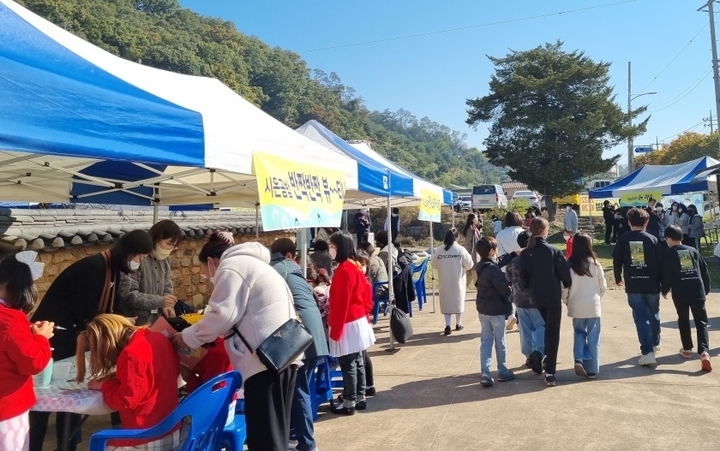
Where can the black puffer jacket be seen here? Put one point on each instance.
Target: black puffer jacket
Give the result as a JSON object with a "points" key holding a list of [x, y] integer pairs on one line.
{"points": [[493, 290]]}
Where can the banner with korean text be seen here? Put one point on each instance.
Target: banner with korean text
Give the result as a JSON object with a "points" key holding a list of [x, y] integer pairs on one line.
{"points": [[430, 203], [639, 199], [296, 194], [593, 207]]}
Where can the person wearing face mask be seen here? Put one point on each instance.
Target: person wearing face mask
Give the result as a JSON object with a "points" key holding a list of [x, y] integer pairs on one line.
{"points": [[147, 291], [696, 228], [283, 252], [250, 298], [571, 219], [82, 291]]}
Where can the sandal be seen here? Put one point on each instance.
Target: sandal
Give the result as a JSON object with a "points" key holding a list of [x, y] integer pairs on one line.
{"points": [[685, 354]]}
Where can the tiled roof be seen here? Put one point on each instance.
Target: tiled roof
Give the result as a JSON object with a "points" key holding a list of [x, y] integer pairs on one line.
{"points": [[513, 185], [53, 229]]}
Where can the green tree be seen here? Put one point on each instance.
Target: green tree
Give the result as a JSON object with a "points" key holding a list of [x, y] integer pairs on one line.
{"points": [[553, 114], [686, 147]]}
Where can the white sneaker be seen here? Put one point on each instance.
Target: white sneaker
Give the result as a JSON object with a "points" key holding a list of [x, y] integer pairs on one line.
{"points": [[647, 359], [657, 348], [511, 323]]}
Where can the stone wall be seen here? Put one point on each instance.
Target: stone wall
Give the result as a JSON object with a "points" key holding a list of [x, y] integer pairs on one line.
{"points": [[189, 285]]}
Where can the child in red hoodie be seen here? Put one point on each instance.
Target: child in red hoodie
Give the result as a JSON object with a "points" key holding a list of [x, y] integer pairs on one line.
{"points": [[137, 370], [24, 347], [214, 363]]}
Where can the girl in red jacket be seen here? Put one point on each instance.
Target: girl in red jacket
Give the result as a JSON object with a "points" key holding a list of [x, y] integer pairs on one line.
{"points": [[350, 331], [24, 347], [137, 371]]}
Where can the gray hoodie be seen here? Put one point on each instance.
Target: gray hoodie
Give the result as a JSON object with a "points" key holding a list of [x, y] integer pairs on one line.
{"points": [[248, 293]]}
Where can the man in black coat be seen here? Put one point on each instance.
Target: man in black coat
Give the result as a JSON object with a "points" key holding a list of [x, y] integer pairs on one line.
{"points": [[362, 223], [609, 218], [685, 273]]}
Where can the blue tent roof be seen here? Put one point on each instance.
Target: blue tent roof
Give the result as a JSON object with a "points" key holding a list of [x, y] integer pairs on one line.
{"points": [[372, 176], [666, 179]]}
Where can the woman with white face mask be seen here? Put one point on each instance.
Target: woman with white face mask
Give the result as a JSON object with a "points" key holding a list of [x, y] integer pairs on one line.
{"points": [[147, 291], [251, 298]]}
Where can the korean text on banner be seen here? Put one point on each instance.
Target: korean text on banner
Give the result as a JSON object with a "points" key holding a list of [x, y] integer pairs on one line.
{"points": [[639, 199], [430, 204], [593, 207], [297, 195]]}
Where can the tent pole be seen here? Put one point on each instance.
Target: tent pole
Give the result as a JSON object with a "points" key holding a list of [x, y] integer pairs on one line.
{"points": [[303, 251], [156, 205], [391, 295], [257, 220], [432, 274]]}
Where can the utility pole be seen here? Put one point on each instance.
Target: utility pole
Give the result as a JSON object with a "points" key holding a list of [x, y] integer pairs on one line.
{"points": [[710, 122], [631, 157], [716, 71]]}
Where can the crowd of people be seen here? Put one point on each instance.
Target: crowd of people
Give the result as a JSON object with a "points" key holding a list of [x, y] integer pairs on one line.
{"points": [[521, 278], [107, 303], [104, 304]]}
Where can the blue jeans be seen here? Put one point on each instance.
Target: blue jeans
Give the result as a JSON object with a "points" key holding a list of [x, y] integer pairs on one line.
{"points": [[492, 329], [532, 331], [301, 415], [586, 345], [646, 313]]}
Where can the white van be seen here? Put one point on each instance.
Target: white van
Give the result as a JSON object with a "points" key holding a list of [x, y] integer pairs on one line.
{"points": [[486, 197]]}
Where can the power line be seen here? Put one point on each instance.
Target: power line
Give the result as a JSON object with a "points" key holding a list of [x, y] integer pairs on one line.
{"points": [[674, 58], [683, 94], [469, 27], [686, 130]]}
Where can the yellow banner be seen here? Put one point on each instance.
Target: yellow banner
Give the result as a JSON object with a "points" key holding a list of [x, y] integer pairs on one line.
{"points": [[430, 205], [297, 195], [593, 207], [639, 199]]}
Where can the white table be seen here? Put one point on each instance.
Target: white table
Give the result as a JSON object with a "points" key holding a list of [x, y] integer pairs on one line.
{"points": [[70, 397]]}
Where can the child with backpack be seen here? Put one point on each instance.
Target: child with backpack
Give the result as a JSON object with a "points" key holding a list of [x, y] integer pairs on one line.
{"points": [[493, 304], [583, 304]]}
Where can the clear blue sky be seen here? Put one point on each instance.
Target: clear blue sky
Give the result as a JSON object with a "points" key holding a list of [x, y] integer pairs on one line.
{"points": [[432, 74]]}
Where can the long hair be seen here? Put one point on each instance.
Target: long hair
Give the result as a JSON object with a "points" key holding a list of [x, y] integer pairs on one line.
{"points": [[513, 219], [107, 335], [345, 246], [468, 223], [16, 278], [450, 237], [582, 254], [538, 227], [137, 242]]}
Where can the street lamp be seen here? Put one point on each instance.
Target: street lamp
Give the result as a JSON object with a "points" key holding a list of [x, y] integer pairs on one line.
{"points": [[631, 156]]}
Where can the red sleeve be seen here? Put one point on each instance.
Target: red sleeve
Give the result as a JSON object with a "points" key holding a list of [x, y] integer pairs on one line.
{"points": [[340, 293], [215, 363], [129, 386], [31, 353], [568, 248]]}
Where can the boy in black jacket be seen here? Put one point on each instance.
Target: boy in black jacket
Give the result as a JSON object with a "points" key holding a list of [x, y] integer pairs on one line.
{"points": [[492, 303], [636, 256], [685, 273]]}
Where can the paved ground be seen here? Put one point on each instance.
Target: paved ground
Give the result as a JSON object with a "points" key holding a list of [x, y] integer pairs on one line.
{"points": [[430, 398]]}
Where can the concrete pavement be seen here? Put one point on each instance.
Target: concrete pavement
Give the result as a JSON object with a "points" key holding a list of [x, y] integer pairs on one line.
{"points": [[429, 394]]}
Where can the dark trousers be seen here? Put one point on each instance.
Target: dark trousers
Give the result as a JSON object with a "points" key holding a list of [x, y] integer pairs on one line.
{"points": [[268, 405], [552, 314], [301, 418], [38, 426], [369, 378], [610, 233], [353, 372], [362, 237], [699, 314]]}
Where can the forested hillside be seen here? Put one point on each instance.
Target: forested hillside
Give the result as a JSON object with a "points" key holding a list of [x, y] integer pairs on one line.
{"points": [[161, 34]]}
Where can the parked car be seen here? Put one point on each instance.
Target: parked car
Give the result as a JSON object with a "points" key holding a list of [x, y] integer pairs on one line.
{"points": [[531, 196], [486, 197], [464, 203]]}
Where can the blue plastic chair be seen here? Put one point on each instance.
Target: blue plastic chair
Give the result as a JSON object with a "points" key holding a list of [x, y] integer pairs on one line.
{"points": [[208, 408], [321, 390], [419, 282], [378, 300], [235, 434]]}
